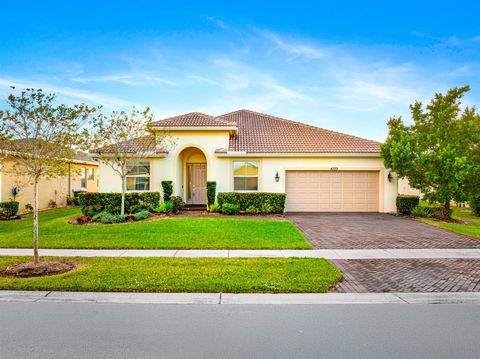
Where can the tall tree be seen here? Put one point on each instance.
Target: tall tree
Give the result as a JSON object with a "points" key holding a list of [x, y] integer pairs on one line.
{"points": [[436, 152], [40, 138], [122, 138]]}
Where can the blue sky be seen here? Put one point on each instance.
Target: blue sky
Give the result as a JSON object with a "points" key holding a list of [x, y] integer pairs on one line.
{"points": [[346, 66]]}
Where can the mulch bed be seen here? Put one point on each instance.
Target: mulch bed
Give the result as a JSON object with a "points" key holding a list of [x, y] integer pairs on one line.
{"points": [[44, 268], [84, 220]]}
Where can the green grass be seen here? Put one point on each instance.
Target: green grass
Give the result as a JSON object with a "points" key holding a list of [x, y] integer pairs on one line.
{"points": [[471, 228], [170, 233], [232, 275]]}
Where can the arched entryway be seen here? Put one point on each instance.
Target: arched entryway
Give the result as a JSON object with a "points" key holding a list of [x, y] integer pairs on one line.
{"points": [[192, 173]]}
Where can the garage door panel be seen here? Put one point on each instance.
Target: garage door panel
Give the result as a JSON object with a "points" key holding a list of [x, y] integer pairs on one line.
{"points": [[332, 191]]}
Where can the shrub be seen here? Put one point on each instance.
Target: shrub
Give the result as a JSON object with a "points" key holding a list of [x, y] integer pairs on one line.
{"points": [[406, 203], [178, 204], [211, 192], [28, 207], [167, 187], [214, 208], [423, 210], [72, 201], [111, 202], [135, 209], [83, 219], [141, 215], [52, 204], [266, 208], [251, 210], [429, 210], [475, 204], [103, 217], [230, 208], [92, 210], [8, 209], [256, 199], [165, 207], [107, 218]]}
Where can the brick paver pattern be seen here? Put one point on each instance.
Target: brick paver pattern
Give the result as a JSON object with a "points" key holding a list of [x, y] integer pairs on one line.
{"points": [[374, 230], [408, 275]]}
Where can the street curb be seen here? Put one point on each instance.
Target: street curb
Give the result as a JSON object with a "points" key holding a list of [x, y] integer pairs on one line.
{"points": [[241, 299], [422, 253]]}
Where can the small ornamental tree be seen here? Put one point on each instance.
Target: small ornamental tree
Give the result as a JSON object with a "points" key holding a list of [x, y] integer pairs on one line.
{"points": [[39, 139], [122, 138], [437, 152]]}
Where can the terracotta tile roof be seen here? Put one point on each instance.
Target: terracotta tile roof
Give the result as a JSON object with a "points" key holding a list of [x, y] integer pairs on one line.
{"points": [[140, 144], [192, 119], [261, 133]]}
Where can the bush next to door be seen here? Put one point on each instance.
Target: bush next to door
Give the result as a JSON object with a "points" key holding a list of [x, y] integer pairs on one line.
{"points": [[275, 202], [109, 202], [211, 192], [167, 187], [406, 203], [8, 209]]}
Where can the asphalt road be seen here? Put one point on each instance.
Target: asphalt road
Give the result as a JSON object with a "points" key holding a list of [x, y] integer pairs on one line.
{"points": [[93, 330]]}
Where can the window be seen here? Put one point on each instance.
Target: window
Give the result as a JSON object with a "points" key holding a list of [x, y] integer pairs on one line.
{"points": [[245, 176], [91, 174], [83, 180], [138, 176]]}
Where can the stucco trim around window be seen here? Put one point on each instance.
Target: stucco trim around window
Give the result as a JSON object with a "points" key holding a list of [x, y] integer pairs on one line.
{"points": [[138, 176], [246, 176]]}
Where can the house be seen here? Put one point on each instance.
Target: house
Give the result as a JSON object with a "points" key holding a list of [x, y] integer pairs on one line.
{"points": [[82, 175], [318, 169]]}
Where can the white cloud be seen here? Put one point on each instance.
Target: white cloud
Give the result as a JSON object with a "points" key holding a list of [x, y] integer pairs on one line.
{"points": [[296, 49], [133, 79], [91, 97], [203, 79]]}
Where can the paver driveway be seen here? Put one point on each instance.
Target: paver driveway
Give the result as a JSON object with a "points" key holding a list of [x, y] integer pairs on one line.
{"points": [[408, 275], [374, 230]]}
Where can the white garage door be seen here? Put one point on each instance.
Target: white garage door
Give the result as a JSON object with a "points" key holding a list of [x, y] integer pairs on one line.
{"points": [[332, 191]]}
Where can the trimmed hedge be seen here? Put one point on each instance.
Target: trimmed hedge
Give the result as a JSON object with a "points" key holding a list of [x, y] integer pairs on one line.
{"points": [[167, 187], [112, 202], [211, 192], [274, 202], [406, 203], [8, 209]]}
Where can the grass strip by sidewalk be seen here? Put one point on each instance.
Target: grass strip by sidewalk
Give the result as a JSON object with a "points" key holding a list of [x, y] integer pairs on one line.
{"points": [[230, 275], [470, 228], [170, 233]]}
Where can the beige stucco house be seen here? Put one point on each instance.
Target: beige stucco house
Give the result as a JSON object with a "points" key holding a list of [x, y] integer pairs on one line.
{"points": [[82, 175], [318, 169]]}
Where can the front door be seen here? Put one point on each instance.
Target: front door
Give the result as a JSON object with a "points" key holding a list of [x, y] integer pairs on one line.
{"points": [[197, 183]]}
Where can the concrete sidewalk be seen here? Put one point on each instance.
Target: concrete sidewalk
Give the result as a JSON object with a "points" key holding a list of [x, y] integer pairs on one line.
{"points": [[317, 253], [246, 298]]}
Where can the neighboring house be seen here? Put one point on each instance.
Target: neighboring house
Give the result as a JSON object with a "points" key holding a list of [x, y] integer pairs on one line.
{"points": [[318, 169], [405, 188], [82, 175]]}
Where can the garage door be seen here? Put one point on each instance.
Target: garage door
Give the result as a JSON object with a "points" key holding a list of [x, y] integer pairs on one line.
{"points": [[332, 191]]}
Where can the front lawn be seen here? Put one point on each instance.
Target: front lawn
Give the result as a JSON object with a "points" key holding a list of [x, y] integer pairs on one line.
{"points": [[470, 228], [231, 275], [169, 233]]}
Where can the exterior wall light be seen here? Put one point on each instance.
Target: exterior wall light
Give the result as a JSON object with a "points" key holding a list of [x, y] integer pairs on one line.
{"points": [[277, 177], [390, 177]]}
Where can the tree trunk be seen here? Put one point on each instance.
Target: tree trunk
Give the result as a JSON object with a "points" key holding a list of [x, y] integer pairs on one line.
{"points": [[447, 210], [35, 221], [122, 209]]}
